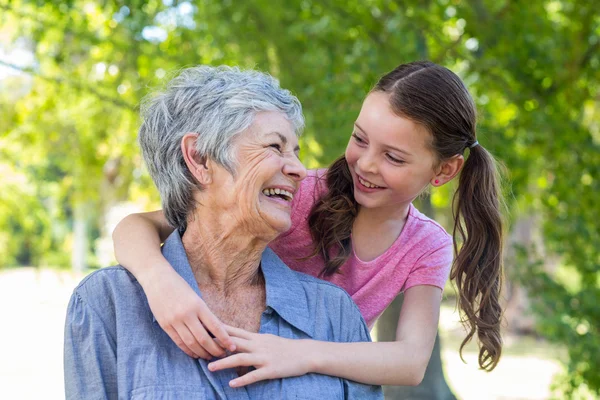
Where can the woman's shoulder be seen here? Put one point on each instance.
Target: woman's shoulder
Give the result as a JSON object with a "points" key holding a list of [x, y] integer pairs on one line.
{"points": [[104, 278], [103, 289]]}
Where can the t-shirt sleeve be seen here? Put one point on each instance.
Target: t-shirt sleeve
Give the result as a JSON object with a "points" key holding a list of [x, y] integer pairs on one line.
{"points": [[433, 268]]}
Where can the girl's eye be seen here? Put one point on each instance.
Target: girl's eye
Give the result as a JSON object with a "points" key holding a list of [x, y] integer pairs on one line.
{"points": [[394, 159], [357, 138]]}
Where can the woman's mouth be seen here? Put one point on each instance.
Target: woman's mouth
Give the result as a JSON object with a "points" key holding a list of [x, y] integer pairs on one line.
{"points": [[280, 193], [280, 196]]}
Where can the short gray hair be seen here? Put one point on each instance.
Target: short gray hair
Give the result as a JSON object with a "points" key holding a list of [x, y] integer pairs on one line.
{"points": [[217, 103]]}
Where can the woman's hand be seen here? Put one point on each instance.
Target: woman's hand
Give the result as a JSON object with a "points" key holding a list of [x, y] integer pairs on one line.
{"points": [[272, 356], [184, 316]]}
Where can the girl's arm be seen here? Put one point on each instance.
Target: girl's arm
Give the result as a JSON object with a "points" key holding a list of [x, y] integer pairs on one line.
{"points": [[402, 362], [177, 308]]}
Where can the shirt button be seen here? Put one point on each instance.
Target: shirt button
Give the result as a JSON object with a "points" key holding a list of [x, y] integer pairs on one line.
{"points": [[269, 311]]}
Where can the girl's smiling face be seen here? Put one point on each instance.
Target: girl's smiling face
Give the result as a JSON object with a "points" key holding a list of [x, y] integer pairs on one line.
{"points": [[389, 156]]}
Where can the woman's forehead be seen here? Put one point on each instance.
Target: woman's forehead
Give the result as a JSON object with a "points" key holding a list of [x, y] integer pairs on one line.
{"points": [[269, 124]]}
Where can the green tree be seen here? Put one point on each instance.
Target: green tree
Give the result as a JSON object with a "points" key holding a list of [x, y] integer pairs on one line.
{"points": [[533, 68]]}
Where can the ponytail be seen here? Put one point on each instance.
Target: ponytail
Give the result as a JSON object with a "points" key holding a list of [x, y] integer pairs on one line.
{"points": [[331, 218], [478, 264]]}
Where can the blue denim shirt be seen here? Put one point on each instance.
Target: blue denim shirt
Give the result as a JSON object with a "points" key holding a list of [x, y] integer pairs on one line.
{"points": [[114, 348]]}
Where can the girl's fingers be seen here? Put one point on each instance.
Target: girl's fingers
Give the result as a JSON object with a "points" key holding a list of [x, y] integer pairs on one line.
{"points": [[242, 345], [190, 341], [175, 338], [202, 339], [238, 332], [216, 327], [251, 377], [236, 360]]}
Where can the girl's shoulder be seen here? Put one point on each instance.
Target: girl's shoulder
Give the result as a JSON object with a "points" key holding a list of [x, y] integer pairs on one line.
{"points": [[316, 180], [311, 189], [423, 229], [429, 251]]}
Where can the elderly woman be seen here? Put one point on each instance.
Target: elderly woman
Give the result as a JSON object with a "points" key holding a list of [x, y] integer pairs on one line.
{"points": [[221, 145]]}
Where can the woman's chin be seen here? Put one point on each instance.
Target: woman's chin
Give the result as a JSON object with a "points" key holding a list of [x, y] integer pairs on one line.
{"points": [[277, 215], [281, 226], [280, 222]]}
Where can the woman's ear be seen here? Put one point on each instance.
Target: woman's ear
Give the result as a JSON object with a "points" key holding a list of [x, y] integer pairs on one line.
{"points": [[199, 167], [447, 170]]}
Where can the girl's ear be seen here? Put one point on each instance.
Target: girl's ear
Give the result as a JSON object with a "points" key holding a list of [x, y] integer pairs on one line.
{"points": [[200, 167], [448, 170]]}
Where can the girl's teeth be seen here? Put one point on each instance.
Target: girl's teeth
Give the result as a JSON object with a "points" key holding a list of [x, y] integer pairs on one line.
{"points": [[367, 184]]}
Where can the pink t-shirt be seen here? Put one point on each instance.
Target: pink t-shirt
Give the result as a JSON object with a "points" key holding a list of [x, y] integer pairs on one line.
{"points": [[421, 255]]}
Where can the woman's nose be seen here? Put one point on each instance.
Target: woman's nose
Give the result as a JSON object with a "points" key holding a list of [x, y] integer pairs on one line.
{"points": [[294, 168]]}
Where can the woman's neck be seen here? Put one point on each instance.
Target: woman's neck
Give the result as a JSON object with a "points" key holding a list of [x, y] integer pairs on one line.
{"points": [[221, 254]]}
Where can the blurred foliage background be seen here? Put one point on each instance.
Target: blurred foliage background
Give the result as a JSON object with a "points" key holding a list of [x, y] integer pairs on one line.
{"points": [[72, 74]]}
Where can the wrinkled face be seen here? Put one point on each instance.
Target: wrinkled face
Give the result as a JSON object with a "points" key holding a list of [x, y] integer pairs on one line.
{"points": [[260, 192], [388, 156]]}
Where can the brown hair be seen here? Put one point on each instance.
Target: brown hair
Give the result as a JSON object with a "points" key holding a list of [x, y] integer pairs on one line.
{"points": [[435, 98]]}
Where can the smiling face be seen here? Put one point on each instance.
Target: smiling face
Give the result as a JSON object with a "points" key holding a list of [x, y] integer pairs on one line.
{"points": [[389, 156], [259, 194]]}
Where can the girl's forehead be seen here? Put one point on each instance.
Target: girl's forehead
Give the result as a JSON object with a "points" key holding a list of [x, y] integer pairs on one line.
{"points": [[381, 124]]}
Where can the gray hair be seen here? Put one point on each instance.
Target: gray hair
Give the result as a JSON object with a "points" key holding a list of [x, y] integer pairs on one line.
{"points": [[217, 103]]}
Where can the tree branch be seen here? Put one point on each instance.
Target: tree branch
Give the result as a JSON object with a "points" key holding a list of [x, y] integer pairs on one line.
{"points": [[79, 86]]}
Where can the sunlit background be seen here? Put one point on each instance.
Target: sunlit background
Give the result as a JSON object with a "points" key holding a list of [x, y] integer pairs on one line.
{"points": [[72, 74]]}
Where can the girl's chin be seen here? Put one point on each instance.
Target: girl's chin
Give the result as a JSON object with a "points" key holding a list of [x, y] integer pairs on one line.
{"points": [[364, 200]]}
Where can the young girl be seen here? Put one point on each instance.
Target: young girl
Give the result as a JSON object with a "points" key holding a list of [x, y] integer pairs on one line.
{"points": [[354, 225]]}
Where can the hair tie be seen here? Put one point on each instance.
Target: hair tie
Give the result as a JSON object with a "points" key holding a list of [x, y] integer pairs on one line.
{"points": [[474, 144]]}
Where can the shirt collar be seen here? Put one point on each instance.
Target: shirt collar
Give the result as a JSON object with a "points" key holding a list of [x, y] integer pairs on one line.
{"points": [[285, 293]]}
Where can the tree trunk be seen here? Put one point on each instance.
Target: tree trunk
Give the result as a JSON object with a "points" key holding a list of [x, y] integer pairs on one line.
{"points": [[434, 386], [80, 238], [526, 232]]}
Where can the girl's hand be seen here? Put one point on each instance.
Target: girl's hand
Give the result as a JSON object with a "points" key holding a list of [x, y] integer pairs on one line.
{"points": [[272, 356], [184, 316]]}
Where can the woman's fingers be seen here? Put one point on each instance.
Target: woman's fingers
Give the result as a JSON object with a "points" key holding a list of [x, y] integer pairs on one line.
{"points": [[251, 377], [238, 332], [201, 339], [215, 326]]}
